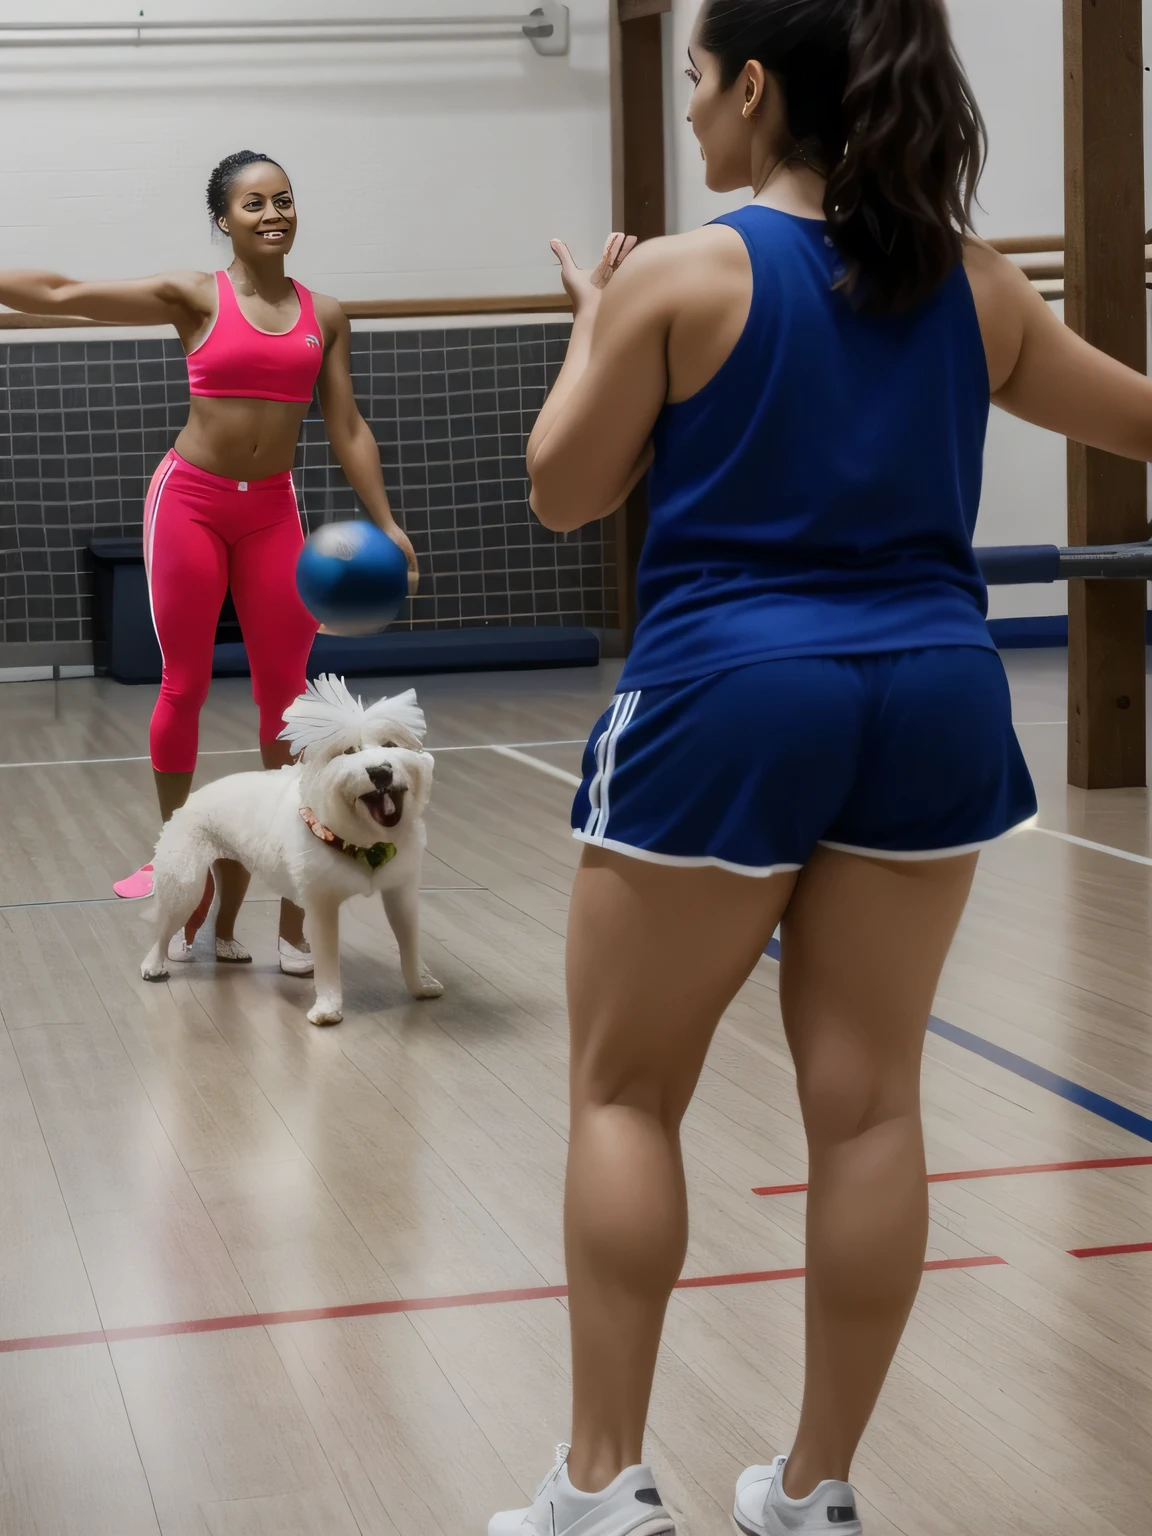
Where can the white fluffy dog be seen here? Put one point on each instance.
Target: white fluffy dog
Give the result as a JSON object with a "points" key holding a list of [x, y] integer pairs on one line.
{"points": [[345, 820]]}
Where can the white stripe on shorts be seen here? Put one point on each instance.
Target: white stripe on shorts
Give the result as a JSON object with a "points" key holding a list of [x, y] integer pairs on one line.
{"points": [[623, 708]]}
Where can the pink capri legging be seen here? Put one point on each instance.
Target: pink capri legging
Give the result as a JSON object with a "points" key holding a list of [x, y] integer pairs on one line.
{"points": [[202, 535]]}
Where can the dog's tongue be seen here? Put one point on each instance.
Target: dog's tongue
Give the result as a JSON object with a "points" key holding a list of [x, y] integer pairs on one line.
{"points": [[382, 807]]}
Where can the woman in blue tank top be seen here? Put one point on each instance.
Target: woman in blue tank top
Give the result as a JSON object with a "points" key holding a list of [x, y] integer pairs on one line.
{"points": [[813, 727]]}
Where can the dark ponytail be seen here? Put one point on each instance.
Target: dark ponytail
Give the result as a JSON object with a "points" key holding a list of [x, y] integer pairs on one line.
{"points": [[879, 103], [221, 179]]}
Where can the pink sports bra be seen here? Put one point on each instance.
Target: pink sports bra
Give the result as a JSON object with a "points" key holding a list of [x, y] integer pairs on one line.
{"points": [[237, 360]]}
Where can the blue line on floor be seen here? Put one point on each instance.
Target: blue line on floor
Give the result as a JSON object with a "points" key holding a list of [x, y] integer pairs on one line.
{"points": [[1032, 1072], [1107, 1109]]}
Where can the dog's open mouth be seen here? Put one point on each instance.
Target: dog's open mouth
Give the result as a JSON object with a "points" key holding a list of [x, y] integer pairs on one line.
{"points": [[385, 806]]}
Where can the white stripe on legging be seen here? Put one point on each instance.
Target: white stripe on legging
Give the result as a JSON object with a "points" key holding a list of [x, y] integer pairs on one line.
{"points": [[296, 504], [151, 509]]}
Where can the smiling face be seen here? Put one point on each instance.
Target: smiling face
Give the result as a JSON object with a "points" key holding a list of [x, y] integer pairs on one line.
{"points": [[366, 792], [261, 216]]}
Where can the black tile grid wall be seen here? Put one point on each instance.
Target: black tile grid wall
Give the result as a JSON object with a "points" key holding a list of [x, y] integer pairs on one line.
{"points": [[84, 424]]}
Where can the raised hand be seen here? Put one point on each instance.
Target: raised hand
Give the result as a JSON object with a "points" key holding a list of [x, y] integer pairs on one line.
{"points": [[585, 285]]}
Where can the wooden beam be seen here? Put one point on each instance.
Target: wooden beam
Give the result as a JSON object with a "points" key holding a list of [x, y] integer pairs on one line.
{"points": [[633, 10], [638, 208], [355, 309], [1027, 245], [1105, 303]]}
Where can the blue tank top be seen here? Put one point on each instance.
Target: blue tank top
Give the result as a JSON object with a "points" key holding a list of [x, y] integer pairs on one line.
{"points": [[818, 496]]}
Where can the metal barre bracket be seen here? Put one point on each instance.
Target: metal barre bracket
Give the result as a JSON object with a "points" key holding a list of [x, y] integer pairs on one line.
{"points": [[551, 35], [547, 27], [1010, 565]]}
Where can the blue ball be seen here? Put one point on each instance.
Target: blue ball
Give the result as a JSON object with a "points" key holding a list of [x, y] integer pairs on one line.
{"points": [[352, 577]]}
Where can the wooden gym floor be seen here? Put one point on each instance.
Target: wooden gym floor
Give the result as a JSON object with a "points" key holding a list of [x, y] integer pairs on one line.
{"points": [[258, 1279]]}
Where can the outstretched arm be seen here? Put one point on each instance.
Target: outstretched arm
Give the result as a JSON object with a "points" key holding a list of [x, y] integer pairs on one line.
{"points": [[351, 437], [182, 299], [1044, 373]]}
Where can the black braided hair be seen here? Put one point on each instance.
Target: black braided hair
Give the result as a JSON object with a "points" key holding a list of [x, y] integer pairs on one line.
{"points": [[221, 179]]}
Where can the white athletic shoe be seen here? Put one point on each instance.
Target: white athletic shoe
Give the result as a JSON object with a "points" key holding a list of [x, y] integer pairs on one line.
{"points": [[628, 1507], [764, 1509], [180, 950], [295, 962]]}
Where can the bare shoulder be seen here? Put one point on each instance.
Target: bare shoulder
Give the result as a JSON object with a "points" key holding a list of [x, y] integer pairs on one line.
{"points": [[330, 313], [1004, 300], [678, 262], [189, 284], [990, 273], [328, 308], [195, 291]]}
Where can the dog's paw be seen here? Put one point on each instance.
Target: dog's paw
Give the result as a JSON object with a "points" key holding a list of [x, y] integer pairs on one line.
{"points": [[428, 987], [156, 971], [325, 1011]]}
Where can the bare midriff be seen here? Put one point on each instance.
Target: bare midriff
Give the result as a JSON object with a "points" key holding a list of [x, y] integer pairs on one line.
{"points": [[241, 439]]}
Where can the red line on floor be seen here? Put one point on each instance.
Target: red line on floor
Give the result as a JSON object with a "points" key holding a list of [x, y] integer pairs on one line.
{"points": [[1108, 1253], [993, 1173], [404, 1304]]}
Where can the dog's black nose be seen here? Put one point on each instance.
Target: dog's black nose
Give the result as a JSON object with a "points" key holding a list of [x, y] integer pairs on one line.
{"points": [[381, 777]]}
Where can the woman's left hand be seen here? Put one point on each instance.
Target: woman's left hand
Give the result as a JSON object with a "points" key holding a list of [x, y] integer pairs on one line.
{"points": [[398, 536], [584, 286]]}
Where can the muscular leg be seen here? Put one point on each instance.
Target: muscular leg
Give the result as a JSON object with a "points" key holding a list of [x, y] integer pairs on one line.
{"points": [[655, 954], [172, 789], [278, 635], [187, 578], [864, 943]]}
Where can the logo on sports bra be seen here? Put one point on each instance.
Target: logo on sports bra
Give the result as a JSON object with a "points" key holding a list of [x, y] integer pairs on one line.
{"points": [[313, 341]]}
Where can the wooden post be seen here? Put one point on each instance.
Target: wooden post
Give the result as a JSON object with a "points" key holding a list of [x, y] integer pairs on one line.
{"points": [[638, 208], [1105, 303]]}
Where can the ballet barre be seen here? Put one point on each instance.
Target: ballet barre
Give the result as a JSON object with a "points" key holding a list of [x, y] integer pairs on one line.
{"points": [[558, 304]]}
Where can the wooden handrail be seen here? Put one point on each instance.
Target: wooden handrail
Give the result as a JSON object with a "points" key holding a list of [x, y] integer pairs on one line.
{"points": [[355, 309], [1027, 245], [1042, 270], [1043, 273], [412, 309]]}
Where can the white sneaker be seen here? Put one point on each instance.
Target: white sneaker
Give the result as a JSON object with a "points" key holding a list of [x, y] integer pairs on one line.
{"points": [[295, 962], [628, 1507], [764, 1509], [179, 949]]}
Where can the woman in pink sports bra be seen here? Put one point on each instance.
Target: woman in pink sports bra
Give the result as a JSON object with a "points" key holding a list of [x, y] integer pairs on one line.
{"points": [[221, 511]]}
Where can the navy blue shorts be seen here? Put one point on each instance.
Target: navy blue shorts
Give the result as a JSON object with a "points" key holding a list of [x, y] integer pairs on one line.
{"points": [[906, 756]]}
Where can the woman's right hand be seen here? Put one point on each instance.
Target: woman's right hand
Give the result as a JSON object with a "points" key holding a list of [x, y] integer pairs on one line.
{"points": [[585, 285]]}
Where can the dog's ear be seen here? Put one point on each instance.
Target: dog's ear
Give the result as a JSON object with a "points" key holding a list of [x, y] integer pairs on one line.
{"points": [[399, 720], [324, 720], [423, 764]]}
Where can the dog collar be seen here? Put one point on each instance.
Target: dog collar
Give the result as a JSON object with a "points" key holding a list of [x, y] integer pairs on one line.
{"points": [[374, 857]]}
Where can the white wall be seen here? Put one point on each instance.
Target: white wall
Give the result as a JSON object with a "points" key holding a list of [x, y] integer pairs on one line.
{"points": [[421, 170]]}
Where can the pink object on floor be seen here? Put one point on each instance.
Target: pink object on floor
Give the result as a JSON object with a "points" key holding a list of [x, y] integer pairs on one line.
{"points": [[137, 886]]}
